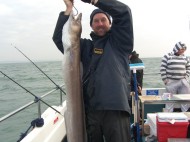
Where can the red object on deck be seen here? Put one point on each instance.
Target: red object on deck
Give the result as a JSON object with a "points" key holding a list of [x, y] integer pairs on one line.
{"points": [[55, 120], [167, 130]]}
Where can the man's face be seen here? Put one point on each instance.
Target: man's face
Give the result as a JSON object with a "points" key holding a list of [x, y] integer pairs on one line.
{"points": [[100, 24], [181, 51]]}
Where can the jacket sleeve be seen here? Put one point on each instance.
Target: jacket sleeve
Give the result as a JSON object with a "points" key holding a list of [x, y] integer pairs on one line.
{"points": [[122, 24], [57, 35], [188, 68], [140, 77]]}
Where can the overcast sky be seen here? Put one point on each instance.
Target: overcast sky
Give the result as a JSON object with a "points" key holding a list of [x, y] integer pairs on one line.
{"points": [[29, 25]]}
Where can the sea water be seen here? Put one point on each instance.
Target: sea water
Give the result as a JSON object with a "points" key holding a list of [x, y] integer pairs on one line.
{"points": [[12, 96]]}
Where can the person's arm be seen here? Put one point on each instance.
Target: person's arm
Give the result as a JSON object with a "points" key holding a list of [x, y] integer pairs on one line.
{"points": [[187, 68], [163, 69], [93, 2], [69, 6], [62, 19], [139, 75], [122, 25]]}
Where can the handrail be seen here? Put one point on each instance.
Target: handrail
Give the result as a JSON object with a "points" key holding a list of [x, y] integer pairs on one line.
{"points": [[30, 103]]}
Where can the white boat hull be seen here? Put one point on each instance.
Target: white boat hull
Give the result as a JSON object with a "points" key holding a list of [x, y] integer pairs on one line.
{"points": [[53, 129]]}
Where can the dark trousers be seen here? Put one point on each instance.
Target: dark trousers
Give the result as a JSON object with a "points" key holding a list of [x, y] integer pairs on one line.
{"points": [[113, 126]]}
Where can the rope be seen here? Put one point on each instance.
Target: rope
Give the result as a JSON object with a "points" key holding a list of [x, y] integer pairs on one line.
{"points": [[39, 122]]}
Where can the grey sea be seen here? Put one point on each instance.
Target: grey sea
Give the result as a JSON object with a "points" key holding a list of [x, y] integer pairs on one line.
{"points": [[12, 96]]}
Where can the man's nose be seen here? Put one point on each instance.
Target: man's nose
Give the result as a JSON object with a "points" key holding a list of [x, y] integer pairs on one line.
{"points": [[100, 23]]}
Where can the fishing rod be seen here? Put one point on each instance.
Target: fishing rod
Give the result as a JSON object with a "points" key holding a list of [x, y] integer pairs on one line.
{"points": [[36, 97], [40, 69]]}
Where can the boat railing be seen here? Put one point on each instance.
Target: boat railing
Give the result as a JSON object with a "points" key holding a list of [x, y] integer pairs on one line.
{"points": [[38, 101]]}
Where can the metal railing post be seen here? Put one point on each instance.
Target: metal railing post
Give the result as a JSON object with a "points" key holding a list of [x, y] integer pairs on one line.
{"points": [[61, 98], [39, 109]]}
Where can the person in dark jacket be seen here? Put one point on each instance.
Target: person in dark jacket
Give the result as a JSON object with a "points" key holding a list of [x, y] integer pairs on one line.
{"points": [[134, 58], [106, 74]]}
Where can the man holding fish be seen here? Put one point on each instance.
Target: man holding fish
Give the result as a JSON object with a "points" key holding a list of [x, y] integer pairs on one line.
{"points": [[106, 74]]}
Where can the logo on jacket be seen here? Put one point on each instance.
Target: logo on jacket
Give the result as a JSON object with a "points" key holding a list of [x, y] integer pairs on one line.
{"points": [[98, 51]]}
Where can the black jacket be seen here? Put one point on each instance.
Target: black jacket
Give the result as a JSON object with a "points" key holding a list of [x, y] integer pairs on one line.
{"points": [[139, 74], [106, 74]]}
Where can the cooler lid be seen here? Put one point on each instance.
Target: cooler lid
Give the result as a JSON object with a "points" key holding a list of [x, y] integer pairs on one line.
{"points": [[168, 116]]}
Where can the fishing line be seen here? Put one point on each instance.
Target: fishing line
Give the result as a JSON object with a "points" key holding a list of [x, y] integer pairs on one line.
{"points": [[36, 97], [40, 70], [74, 8]]}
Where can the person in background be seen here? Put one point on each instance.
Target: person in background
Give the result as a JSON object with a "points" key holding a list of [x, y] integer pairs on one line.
{"points": [[175, 71], [106, 73], [134, 58]]}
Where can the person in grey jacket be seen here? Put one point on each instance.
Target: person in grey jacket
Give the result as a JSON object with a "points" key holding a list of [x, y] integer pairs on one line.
{"points": [[106, 74], [175, 72]]}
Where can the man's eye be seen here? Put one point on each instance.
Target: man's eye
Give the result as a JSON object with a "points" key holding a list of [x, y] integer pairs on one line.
{"points": [[95, 21]]}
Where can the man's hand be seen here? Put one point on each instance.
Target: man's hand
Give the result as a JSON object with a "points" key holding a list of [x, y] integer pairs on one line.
{"points": [[165, 81], [139, 90], [69, 6]]}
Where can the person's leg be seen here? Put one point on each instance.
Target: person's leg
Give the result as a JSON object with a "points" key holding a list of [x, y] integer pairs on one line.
{"points": [[94, 130], [184, 89], [116, 126], [171, 87]]}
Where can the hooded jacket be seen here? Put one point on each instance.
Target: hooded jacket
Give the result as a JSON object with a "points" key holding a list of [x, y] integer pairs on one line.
{"points": [[175, 66], [106, 74]]}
